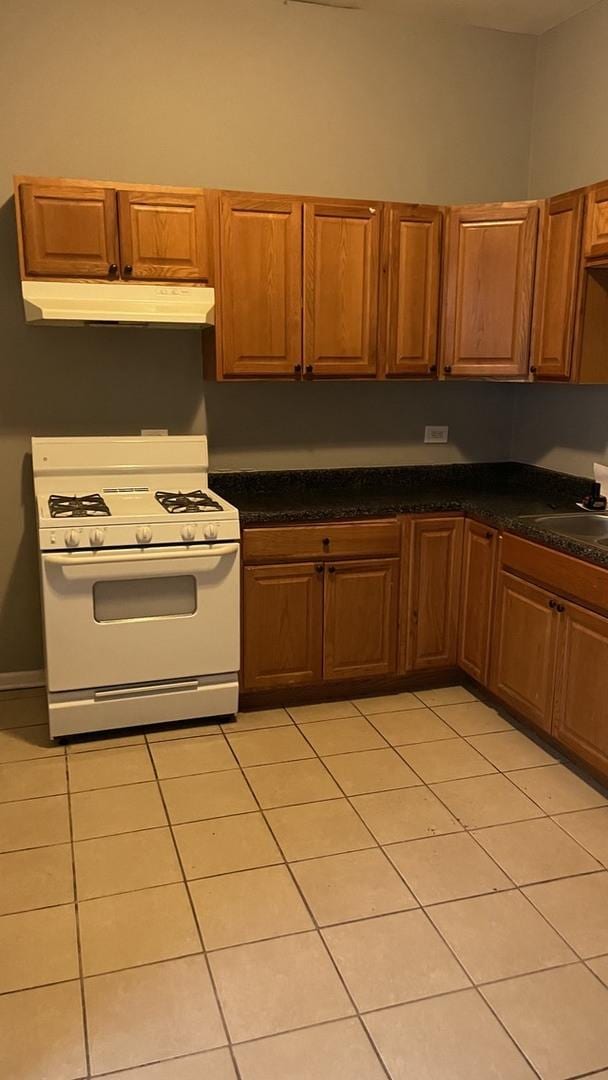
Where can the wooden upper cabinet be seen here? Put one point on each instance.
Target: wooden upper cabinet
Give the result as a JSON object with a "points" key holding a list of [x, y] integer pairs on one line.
{"points": [[557, 281], [490, 264], [409, 298], [596, 223], [163, 235], [259, 293], [524, 648], [341, 273], [580, 718], [360, 624], [432, 562], [476, 608], [68, 231], [282, 625]]}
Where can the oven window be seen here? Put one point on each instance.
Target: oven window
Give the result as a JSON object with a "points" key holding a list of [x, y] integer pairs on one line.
{"points": [[144, 598]]}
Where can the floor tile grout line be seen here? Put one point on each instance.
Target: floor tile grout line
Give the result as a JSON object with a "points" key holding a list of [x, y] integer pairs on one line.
{"points": [[317, 928], [208, 969], [83, 1004]]}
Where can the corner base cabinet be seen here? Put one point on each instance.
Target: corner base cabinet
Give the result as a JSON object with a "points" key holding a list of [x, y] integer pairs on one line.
{"points": [[477, 599], [432, 554]]}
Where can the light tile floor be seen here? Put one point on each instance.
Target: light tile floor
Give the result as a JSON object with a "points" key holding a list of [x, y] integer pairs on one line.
{"points": [[403, 886]]}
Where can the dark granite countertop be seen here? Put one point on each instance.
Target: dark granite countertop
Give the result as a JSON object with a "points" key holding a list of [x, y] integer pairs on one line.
{"points": [[500, 494]]}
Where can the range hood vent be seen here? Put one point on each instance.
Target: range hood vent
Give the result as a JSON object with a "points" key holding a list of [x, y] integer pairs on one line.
{"points": [[117, 303]]}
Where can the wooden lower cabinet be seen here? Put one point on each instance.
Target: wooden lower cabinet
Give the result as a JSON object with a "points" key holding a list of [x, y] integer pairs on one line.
{"points": [[360, 623], [580, 717], [282, 625], [525, 648], [477, 599], [431, 593]]}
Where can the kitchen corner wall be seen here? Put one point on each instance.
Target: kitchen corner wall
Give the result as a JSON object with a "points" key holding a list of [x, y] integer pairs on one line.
{"points": [[260, 96]]}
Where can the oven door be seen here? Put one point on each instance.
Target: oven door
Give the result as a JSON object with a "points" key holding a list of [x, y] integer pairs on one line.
{"points": [[143, 615]]}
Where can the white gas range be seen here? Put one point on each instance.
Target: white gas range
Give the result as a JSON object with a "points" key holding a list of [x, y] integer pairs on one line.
{"points": [[140, 582]]}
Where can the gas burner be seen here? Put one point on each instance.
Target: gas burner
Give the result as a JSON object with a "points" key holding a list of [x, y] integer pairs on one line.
{"points": [[187, 502], [65, 506]]}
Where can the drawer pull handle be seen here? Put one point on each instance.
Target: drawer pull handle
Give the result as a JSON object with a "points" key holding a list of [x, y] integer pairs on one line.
{"points": [[325, 541]]}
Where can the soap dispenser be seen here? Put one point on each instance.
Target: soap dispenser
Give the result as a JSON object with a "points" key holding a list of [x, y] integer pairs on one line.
{"points": [[595, 501]]}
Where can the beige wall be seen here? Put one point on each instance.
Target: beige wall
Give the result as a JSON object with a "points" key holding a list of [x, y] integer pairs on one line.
{"points": [[567, 427], [258, 95]]}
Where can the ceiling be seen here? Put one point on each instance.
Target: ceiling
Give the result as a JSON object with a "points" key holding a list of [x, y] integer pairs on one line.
{"points": [[517, 16]]}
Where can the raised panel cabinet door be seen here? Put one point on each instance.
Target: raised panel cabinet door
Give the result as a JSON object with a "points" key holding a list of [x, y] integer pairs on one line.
{"points": [[430, 606], [557, 284], [69, 230], [282, 625], [487, 314], [360, 624], [478, 577], [409, 307], [580, 718], [524, 648], [596, 222], [259, 296], [341, 278], [164, 236]]}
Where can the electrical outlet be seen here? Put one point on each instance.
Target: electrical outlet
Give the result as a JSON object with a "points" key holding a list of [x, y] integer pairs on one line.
{"points": [[155, 431], [435, 434]]}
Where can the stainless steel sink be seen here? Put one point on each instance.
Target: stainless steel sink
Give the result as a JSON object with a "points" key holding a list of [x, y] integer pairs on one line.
{"points": [[588, 527]]}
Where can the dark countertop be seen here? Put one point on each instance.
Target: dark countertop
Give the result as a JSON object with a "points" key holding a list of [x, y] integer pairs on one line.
{"points": [[501, 494]]}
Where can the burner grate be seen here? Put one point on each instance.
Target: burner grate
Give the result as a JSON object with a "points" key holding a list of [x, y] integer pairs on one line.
{"points": [[65, 506], [187, 502]]}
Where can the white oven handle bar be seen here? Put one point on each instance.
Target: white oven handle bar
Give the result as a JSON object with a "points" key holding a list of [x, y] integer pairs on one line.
{"points": [[141, 565], [142, 691]]}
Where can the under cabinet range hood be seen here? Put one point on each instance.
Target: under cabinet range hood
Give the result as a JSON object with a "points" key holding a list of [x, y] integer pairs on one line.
{"points": [[117, 303]]}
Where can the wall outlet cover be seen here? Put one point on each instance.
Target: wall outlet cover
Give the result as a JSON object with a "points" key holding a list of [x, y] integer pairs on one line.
{"points": [[434, 434]]}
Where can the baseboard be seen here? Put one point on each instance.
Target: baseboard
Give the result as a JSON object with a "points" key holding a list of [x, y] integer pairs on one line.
{"points": [[21, 680]]}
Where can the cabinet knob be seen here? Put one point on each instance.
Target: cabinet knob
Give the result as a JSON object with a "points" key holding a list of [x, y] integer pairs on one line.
{"points": [[489, 535], [325, 541], [309, 369], [113, 269], [297, 368], [552, 603], [319, 568], [332, 569], [433, 367], [533, 369], [447, 369], [128, 269], [560, 608]]}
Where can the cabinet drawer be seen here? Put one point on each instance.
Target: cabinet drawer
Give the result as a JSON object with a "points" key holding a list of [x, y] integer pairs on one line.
{"points": [[321, 541], [564, 574]]}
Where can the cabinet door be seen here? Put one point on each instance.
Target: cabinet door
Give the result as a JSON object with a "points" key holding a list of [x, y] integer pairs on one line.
{"points": [[596, 223], [260, 287], [163, 236], [411, 259], [341, 277], [360, 625], [488, 296], [69, 231], [580, 719], [524, 648], [557, 282], [282, 625], [478, 574], [433, 549]]}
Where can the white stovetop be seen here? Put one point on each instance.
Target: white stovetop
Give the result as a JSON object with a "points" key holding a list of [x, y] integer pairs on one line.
{"points": [[129, 507]]}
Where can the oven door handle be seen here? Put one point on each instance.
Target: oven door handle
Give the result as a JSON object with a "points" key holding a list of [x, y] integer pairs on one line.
{"points": [[141, 565]]}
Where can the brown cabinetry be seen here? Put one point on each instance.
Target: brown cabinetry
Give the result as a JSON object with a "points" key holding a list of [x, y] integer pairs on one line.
{"points": [[431, 593], [341, 271], [489, 283], [409, 297], [524, 654], [580, 718], [69, 231], [259, 296], [557, 282], [360, 625], [596, 223], [282, 625], [477, 599], [73, 229]]}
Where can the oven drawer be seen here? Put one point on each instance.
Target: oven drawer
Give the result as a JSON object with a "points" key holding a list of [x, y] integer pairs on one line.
{"points": [[331, 541]]}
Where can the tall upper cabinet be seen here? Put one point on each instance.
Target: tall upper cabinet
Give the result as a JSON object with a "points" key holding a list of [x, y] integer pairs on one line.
{"points": [[78, 229], [557, 286], [409, 291], [489, 269]]}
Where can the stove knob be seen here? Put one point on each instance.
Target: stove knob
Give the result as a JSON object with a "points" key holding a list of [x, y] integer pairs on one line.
{"points": [[96, 537], [72, 537], [188, 533], [211, 532], [143, 534]]}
